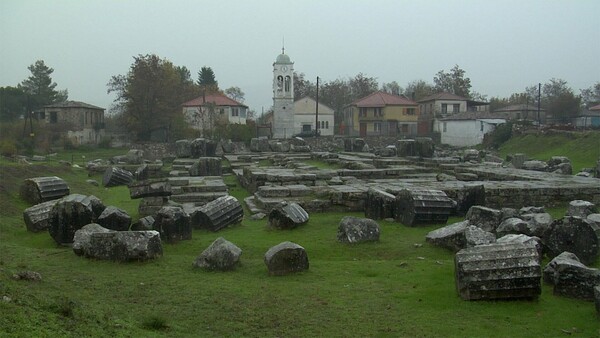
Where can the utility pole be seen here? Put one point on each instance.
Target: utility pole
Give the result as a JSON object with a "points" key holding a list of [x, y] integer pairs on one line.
{"points": [[539, 104], [317, 111]]}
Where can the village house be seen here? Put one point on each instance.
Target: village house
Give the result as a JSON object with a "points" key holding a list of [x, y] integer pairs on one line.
{"points": [[589, 118], [203, 113], [526, 112], [380, 114], [444, 104], [82, 123], [305, 117], [466, 129]]}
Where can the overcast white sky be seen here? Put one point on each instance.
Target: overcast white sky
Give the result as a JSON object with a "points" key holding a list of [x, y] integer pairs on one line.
{"points": [[504, 46]]}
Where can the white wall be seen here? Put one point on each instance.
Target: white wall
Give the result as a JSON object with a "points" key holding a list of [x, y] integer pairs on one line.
{"points": [[463, 133]]}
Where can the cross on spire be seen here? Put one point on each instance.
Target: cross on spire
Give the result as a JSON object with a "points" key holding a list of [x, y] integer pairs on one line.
{"points": [[283, 45]]}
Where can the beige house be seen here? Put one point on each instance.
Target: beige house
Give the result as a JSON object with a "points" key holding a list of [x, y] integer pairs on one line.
{"points": [[444, 104], [83, 123], [305, 117], [522, 112], [203, 112]]}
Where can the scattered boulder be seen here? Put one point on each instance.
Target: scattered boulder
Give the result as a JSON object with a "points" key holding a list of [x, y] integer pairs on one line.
{"points": [[531, 210], [513, 226], [357, 230], [594, 219], [173, 224], [538, 224], [149, 188], [475, 236], [423, 206], [564, 258], [28, 275], [217, 214], [509, 213], [498, 271], [286, 258], [258, 216], [221, 255], [42, 189], [287, 216], [206, 166], [486, 218], [37, 217], [114, 218], [581, 208], [379, 204], [573, 279], [134, 156], [124, 246], [115, 176], [573, 234], [405, 148], [68, 215], [183, 148], [142, 173], [518, 160], [523, 239], [424, 147], [450, 237], [144, 223], [81, 240], [93, 182], [535, 165], [468, 196]]}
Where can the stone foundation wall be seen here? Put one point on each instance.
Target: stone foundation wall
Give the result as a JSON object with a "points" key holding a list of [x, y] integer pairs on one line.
{"points": [[156, 151]]}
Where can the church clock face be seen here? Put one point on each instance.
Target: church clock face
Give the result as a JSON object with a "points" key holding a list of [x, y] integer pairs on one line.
{"points": [[284, 68]]}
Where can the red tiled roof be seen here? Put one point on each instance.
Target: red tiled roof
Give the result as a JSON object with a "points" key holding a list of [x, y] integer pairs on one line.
{"points": [[382, 99], [444, 96], [596, 107], [216, 98]]}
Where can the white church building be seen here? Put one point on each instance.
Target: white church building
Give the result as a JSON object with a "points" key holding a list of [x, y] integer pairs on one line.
{"points": [[295, 117]]}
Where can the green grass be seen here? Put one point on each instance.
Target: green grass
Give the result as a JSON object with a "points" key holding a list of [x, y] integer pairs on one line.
{"points": [[390, 288], [583, 149]]}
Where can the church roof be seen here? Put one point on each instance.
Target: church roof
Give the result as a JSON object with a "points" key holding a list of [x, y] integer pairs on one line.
{"points": [[382, 99], [283, 58], [218, 99], [72, 104]]}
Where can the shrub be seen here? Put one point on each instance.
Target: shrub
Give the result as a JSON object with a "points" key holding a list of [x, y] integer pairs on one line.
{"points": [[155, 323], [105, 142], [501, 134], [8, 148]]}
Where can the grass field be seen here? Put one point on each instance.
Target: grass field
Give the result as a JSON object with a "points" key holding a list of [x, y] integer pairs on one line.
{"points": [[583, 149], [390, 288]]}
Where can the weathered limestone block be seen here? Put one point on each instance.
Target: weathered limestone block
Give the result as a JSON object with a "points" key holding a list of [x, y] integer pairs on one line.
{"points": [[37, 217], [531, 210], [421, 206], [556, 160], [535, 165], [563, 168], [471, 155], [573, 234], [513, 226], [149, 188], [206, 166], [358, 144], [286, 258], [468, 196], [149, 206], [42, 189], [173, 224], [114, 176], [125, 246], [141, 173], [68, 215], [518, 160], [81, 240], [357, 230], [114, 218], [279, 146], [461, 176], [379, 204], [523, 239], [498, 271], [573, 279], [287, 216], [564, 258], [475, 236], [201, 147], [509, 213], [217, 214], [260, 144], [221, 255], [134, 156], [405, 148], [300, 149], [581, 208], [424, 147], [450, 237], [144, 223], [538, 223], [298, 141], [594, 219], [228, 147], [486, 218], [183, 148]]}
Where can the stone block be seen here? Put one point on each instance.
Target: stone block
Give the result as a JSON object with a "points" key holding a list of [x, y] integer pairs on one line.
{"points": [[286, 258], [221, 255], [357, 230]]}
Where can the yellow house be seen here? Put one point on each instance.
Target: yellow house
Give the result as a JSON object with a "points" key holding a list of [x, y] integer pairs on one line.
{"points": [[381, 114]]}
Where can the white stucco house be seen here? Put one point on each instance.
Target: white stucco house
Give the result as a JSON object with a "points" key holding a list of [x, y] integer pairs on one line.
{"points": [[305, 117], [202, 112], [466, 129]]}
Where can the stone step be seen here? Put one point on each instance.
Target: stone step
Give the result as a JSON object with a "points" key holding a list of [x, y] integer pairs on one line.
{"points": [[198, 197]]}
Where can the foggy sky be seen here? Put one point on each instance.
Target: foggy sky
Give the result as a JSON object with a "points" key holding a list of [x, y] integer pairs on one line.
{"points": [[503, 46]]}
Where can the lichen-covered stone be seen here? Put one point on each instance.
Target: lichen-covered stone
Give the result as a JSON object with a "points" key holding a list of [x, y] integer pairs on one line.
{"points": [[486, 218], [581, 208], [450, 237], [357, 230], [573, 234], [68, 215], [114, 218], [287, 216], [573, 279], [221, 255], [125, 246], [81, 240], [173, 224], [475, 236], [37, 217], [286, 258]]}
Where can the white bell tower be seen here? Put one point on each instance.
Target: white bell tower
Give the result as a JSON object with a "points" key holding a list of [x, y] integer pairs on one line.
{"points": [[283, 96]]}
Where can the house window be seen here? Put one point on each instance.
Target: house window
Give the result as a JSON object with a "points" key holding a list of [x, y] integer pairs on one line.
{"points": [[235, 111], [410, 111], [444, 108], [377, 127], [362, 112], [53, 117], [326, 124], [377, 112], [431, 107], [444, 125], [455, 108], [288, 80], [481, 127]]}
